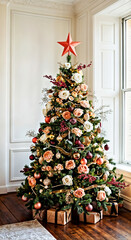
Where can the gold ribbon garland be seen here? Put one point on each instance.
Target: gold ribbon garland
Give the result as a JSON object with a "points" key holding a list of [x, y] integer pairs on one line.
{"points": [[61, 150], [87, 188]]}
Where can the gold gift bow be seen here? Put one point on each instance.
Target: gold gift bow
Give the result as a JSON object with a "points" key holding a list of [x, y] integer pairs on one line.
{"points": [[87, 188]]}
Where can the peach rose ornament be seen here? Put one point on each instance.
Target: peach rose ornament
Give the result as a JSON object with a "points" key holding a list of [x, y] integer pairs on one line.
{"points": [[78, 112], [70, 164], [83, 169], [31, 181], [79, 193], [48, 156], [101, 195], [76, 131], [66, 115]]}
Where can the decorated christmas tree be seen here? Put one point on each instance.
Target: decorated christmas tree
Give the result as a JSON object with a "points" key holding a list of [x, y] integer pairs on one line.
{"points": [[69, 167]]}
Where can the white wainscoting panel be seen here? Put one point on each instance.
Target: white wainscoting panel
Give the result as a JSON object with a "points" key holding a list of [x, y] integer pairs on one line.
{"points": [[34, 53], [18, 159]]}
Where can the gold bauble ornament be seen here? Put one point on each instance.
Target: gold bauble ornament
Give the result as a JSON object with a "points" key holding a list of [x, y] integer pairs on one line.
{"points": [[38, 153], [41, 159], [51, 137], [59, 138], [60, 78], [86, 141]]}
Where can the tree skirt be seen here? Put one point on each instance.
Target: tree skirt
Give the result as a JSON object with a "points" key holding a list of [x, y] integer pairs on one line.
{"points": [[25, 230]]}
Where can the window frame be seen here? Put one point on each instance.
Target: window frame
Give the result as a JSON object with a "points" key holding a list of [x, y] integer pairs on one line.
{"points": [[124, 88]]}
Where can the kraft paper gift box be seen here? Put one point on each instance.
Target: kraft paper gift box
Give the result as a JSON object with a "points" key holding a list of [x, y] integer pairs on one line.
{"points": [[40, 215], [58, 216], [93, 217], [112, 209]]}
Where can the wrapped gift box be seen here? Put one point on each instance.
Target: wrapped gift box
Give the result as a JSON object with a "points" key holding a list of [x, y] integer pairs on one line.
{"points": [[93, 217], [58, 216], [112, 209], [40, 215]]}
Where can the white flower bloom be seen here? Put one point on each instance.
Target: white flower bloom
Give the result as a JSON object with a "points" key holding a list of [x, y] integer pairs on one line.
{"points": [[77, 77], [67, 180], [53, 119], [48, 106], [64, 94], [107, 173], [110, 166], [88, 126], [43, 138], [108, 191], [44, 112], [81, 72], [67, 65]]}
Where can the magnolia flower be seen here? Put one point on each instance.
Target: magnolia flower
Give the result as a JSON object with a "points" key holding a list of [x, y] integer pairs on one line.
{"points": [[64, 94], [67, 180], [108, 191], [88, 127], [110, 166], [79, 193], [67, 65], [77, 77], [43, 138]]}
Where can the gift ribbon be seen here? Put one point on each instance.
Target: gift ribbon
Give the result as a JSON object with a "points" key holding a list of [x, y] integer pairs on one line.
{"points": [[113, 209], [56, 214], [96, 210]]}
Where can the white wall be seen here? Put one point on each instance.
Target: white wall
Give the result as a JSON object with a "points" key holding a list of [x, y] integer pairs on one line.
{"points": [[28, 51]]}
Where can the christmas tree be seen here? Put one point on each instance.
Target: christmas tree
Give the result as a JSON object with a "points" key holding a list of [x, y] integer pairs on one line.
{"points": [[69, 167]]}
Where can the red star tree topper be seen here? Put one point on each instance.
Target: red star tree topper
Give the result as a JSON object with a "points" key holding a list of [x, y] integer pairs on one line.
{"points": [[69, 46]]}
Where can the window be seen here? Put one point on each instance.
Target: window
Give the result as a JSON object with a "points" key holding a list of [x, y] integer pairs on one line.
{"points": [[126, 88]]}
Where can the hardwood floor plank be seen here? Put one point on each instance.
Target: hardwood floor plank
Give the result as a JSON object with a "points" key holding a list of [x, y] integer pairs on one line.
{"points": [[13, 210], [5, 215]]}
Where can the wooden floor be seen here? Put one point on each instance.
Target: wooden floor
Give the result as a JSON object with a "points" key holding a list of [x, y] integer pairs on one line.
{"points": [[12, 210]]}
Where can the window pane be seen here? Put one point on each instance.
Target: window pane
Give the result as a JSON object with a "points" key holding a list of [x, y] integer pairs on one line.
{"points": [[128, 53], [128, 127]]}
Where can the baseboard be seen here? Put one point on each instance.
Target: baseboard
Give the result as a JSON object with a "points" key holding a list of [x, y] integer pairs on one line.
{"points": [[9, 188], [3, 189], [126, 202]]}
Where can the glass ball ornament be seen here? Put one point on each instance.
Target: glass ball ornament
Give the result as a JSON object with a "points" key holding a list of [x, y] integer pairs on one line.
{"points": [[99, 161], [47, 181], [37, 205], [76, 156], [58, 155], [24, 199], [89, 208], [34, 140], [37, 175]]}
